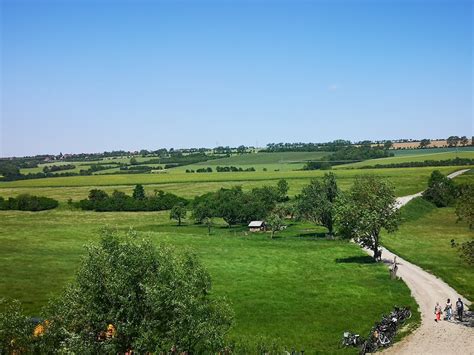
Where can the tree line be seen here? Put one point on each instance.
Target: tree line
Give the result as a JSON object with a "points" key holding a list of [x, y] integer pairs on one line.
{"points": [[416, 164], [348, 154], [27, 202], [221, 169], [100, 201]]}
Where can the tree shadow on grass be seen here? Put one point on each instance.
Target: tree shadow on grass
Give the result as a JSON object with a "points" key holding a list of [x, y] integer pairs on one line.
{"points": [[366, 259]]}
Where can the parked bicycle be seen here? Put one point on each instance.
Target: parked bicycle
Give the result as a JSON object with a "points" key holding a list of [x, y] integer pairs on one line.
{"points": [[382, 334]]}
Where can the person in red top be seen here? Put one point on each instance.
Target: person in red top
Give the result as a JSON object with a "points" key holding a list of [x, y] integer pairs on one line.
{"points": [[437, 312]]}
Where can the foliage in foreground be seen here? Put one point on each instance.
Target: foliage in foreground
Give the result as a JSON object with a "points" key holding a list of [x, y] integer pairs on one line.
{"points": [[154, 299]]}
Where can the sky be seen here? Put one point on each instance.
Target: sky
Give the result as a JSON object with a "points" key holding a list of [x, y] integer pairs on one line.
{"points": [[92, 76]]}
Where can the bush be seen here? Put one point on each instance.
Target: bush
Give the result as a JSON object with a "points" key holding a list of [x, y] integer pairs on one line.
{"points": [[28, 203], [100, 201], [152, 299], [441, 190]]}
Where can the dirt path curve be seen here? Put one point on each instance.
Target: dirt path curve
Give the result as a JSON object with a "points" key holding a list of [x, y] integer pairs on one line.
{"points": [[431, 337]]}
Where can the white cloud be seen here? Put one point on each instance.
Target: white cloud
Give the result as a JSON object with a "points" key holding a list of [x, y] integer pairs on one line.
{"points": [[333, 87]]}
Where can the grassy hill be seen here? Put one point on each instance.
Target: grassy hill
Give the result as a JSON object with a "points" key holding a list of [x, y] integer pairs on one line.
{"points": [[299, 289], [425, 239], [422, 156]]}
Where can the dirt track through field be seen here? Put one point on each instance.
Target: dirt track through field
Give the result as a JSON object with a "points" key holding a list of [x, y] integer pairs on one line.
{"points": [[444, 337]]}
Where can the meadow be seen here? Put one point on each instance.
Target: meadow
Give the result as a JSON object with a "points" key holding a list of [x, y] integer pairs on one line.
{"points": [[425, 240], [422, 156], [299, 289], [406, 181]]}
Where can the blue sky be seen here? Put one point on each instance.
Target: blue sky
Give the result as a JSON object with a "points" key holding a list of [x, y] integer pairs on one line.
{"points": [[88, 76]]}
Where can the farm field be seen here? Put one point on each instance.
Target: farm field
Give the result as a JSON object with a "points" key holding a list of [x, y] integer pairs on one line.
{"points": [[410, 158], [403, 152], [425, 239], [405, 180], [299, 288]]}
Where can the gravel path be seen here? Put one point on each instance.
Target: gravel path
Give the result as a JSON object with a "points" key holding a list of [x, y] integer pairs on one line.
{"points": [[431, 337]]}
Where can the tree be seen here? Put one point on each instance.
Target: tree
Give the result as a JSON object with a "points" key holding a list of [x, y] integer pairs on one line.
{"points": [[275, 222], [466, 251], [465, 205], [441, 190], [464, 141], [153, 298], [317, 201], [178, 212], [424, 143], [369, 207], [139, 192], [230, 205], [283, 188], [97, 195], [388, 144], [133, 161], [453, 141]]}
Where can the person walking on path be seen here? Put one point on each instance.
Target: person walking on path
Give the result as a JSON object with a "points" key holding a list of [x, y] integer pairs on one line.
{"points": [[448, 308], [437, 312], [460, 309]]}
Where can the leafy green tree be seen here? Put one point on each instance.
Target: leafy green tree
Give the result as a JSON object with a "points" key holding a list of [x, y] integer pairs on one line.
{"points": [[453, 141], [464, 141], [388, 144], [441, 190], [133, 161], [178, 212], [139, 192], [317, 202], [424, 143], [369, 207], [96, 195], [275, 222], [465, 205], [154, 298], [283, 188]]}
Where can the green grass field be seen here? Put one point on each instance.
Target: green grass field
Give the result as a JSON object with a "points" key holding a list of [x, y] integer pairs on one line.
{"points": [[299, 288], [405, 180], [410, 158], [424, 239], [403, 152]]}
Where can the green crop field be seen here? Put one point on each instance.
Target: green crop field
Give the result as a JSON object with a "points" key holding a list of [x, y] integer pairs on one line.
{"points": [[422, 156], [299, 288], [425, 239]]}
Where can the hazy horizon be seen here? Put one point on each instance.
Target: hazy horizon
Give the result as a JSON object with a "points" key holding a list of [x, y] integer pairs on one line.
{"points": [[94, 76]]}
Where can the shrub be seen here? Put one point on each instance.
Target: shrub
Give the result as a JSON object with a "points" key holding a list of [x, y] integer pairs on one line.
{"points": [[28, 203], [441, 190]]}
